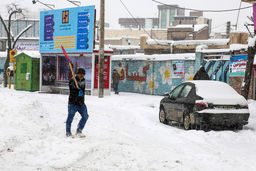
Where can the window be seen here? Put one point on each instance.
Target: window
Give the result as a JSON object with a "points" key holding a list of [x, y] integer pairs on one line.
{"points": [[23, 68], [185, 91], [176, 92], [163, 18]]}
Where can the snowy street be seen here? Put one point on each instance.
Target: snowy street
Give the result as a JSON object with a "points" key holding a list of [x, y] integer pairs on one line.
{"points": [[123, 133]]}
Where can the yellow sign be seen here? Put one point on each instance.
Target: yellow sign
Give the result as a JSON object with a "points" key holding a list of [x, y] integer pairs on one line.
{"points": [[12, 53]]}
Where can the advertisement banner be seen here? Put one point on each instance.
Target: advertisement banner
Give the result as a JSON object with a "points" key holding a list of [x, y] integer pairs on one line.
{"points": [[65, 74], [178, 69], [106, 71], [71, 27], [237, 65], [49, 70]]}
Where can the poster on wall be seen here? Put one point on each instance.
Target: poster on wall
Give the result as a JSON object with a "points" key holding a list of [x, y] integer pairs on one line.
{"points": [[237, 65], [65, 74], [71, 27], [49, 70], [178, 69], [106, 71]]}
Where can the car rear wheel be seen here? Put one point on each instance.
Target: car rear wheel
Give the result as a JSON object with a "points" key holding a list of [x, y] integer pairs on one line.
{"points": [[186, 122], [162, 116]]}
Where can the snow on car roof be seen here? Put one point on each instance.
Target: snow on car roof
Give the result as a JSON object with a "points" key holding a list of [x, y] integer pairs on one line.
{"points": [[217, 92]]}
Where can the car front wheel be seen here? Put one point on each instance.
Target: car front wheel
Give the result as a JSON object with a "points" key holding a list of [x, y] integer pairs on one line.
{"points": [[162, 116], [186, 122]]}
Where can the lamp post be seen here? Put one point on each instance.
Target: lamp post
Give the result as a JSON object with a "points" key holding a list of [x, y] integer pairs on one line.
{"points": [[51, 6]]}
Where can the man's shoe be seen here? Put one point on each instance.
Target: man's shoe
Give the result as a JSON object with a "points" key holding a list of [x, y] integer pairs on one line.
{"points": [[68, 134], [80, 134]]}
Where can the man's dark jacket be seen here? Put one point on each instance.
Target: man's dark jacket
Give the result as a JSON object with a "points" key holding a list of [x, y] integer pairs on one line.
{"points": [[201, 75], [74, 97]]}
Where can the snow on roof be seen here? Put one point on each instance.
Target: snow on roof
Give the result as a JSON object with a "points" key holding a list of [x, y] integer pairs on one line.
{"points": [[232, 47], [120, 38], [33, 54], [106, 48], [196, 27], [190, 42], [124, 47], [199, 27], [156, 57], [217, 92]]}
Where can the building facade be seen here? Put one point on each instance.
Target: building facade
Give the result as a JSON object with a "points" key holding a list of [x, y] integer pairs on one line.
{"points": [[166, 15], [139, 23]]}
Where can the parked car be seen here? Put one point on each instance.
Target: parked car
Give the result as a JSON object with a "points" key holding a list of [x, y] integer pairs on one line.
{"points": [[204, 105]]}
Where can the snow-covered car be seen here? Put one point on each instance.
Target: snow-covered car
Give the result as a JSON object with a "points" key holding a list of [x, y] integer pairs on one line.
{"points": [[204, 105]]}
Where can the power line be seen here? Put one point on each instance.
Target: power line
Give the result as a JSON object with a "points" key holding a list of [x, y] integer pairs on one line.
{"points": [[137, 21], [225, 10]]}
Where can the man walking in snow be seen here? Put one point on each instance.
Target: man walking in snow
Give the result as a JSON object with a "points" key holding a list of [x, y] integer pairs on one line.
{"points": [[115, 78], [76, 103]]}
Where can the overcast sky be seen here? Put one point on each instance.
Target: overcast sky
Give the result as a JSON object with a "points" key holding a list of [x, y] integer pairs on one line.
{"points": [[148, 8]]}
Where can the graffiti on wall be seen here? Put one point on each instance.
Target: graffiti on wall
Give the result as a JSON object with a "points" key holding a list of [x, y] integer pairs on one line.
{"points": [[150, 77], [135, 76]]}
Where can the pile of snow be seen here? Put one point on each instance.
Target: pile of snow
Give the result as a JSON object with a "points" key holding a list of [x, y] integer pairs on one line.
{"points": [[123, 133], [217, 92]]}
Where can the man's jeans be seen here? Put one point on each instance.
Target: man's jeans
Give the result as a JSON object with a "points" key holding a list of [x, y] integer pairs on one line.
{"points": [[72, 109], [115, 87]]}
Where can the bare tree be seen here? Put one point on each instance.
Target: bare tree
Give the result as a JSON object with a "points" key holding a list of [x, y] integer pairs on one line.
{"points": [[13, 9]]}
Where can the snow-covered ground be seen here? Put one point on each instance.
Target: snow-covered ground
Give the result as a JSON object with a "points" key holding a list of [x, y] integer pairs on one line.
{"points": [[123, 133]]}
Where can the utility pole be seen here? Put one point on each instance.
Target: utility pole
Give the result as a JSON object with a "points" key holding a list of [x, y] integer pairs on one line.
{"points": [[228, 29], [251, 54], [101, 50]]}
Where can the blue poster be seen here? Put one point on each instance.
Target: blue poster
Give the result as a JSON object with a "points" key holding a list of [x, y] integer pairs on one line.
{"points": [[237, 65], [71, 27]]}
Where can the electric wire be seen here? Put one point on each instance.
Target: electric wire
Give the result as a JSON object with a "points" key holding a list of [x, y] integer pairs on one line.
{"points": [[225, 10], [129, 12]]}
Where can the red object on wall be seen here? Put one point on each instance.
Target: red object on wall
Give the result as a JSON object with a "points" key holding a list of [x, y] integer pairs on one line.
{"points": [[106, 71]]}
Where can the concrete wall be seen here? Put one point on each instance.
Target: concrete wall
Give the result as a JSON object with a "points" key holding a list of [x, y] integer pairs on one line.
{"points": [[159, 79]]}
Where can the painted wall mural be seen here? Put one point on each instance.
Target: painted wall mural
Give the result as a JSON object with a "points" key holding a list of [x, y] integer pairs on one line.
{"points": [[151, 77]]}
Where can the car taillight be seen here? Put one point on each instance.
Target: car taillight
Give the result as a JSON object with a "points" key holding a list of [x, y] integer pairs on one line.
{"points": [[202, 104], [244, 106]]}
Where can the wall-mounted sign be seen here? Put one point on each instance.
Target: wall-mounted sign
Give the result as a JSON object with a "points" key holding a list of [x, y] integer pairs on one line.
{"points": [[237, 65], [71, 27], [178, 69]]}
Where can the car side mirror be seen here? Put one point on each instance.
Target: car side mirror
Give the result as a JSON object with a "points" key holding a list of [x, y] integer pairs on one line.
{"points": [[166, 94]]}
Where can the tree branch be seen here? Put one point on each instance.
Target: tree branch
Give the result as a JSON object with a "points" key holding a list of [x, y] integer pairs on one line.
{"points": [[5, 27], [20, 34]]}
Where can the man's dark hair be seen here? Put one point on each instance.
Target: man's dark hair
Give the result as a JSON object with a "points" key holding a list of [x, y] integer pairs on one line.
{"points": [[80, 71]]}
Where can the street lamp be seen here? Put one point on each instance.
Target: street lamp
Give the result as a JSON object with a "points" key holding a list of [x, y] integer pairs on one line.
{"points": [[77, 3], [51, 6]]}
